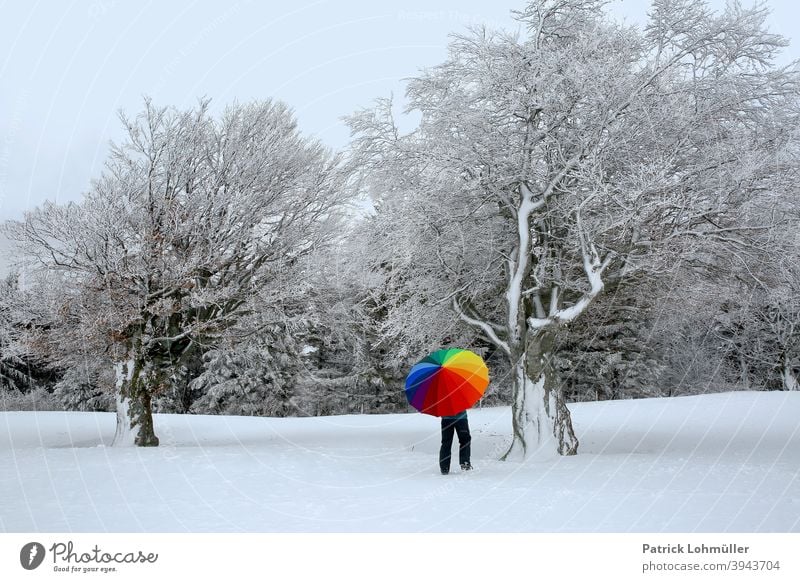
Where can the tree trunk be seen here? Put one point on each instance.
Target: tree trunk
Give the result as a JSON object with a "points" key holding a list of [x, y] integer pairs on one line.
{"points": [[744, 368], [790, 383], [134, 404], [541, 422]]}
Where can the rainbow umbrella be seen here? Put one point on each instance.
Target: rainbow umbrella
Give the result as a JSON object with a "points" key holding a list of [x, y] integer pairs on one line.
{"points": [[447, 382]]}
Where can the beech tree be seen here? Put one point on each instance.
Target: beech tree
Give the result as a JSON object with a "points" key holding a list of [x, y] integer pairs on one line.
{"points": [[191, 218], [579, 152]]}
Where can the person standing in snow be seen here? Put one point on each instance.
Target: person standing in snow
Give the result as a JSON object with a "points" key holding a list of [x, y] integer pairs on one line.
{"points": [[460, 426]]}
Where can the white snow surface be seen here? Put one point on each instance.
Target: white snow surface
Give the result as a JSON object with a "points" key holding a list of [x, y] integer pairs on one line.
{"points": [[713, 463]]}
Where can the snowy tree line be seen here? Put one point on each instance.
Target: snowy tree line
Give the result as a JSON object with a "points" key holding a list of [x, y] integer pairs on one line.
{"points": [[601, 211]]}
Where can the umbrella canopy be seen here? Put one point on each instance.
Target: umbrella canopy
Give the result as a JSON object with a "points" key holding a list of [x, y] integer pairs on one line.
{"points": [[447, 382]]}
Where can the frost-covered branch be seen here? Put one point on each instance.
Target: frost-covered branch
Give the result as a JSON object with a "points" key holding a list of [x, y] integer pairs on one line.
{"points": [[487, 329]]}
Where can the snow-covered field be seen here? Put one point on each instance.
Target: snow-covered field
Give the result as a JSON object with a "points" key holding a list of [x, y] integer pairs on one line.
{"points": [[714, 463]]}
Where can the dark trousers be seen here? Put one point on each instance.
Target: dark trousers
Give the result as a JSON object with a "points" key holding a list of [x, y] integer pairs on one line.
{"points": [[461, 428]]}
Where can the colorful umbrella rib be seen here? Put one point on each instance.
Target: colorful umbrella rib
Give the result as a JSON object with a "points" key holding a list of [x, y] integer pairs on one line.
{"points": [[447, 382]]}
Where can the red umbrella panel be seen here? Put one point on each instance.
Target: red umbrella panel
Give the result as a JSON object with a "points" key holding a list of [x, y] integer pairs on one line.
{"points": [[447, 382]]}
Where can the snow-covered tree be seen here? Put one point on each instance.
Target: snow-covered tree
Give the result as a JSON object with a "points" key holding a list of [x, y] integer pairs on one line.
{"points": [[13, 373], [250, 378], [759, 318], [26, 377], [192, 216], [86, 388], [580, 152], [355, 360], [610, 353], [256, 370]]}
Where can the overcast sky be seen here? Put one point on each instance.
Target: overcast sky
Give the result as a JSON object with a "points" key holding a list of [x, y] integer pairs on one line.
{"points": [[66, 68]]}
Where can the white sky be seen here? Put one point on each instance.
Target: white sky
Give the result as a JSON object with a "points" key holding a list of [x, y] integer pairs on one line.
{"points": [[66, 68]]}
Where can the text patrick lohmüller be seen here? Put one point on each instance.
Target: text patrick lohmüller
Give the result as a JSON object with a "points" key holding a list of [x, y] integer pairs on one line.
{"points": [[695, 549]]}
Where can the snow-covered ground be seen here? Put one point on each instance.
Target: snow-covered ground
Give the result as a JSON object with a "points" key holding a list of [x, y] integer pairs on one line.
{"points": [[714, 463]]}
